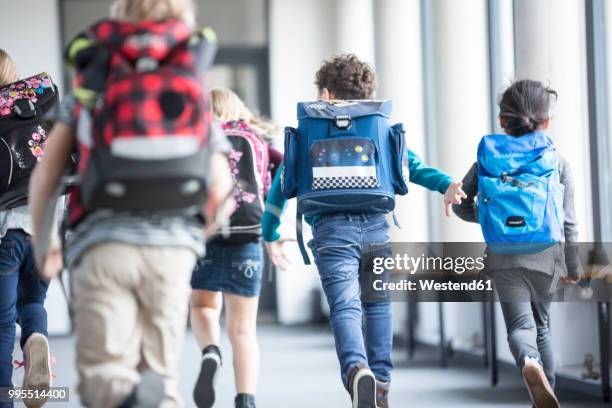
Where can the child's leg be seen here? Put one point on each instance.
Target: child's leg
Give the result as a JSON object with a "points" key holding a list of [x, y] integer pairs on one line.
{"points": [[521, 329], [9, 276], [336, 246], [32, 292], [241, 322], [378, 332], [378, 325], [541, 313], [205, 313], [164, 294], [108, 324]]}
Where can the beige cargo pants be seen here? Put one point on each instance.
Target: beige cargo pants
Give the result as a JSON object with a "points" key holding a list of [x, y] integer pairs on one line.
{"points": [[130, 305]]}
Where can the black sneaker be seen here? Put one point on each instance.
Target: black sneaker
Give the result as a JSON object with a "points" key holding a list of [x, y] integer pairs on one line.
{"points": [[204, 390], [244, 401], [362, 387], [149, 393]]}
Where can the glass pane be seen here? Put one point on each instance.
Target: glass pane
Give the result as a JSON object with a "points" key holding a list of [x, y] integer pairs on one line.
{"points": [[241, 79]]}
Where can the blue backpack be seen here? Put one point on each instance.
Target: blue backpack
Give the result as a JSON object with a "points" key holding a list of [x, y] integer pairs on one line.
{"points": [[520, 198], [344, 157]]}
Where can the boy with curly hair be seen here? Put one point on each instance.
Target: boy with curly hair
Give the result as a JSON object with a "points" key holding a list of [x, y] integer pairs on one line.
{"points": [[362, 329]]}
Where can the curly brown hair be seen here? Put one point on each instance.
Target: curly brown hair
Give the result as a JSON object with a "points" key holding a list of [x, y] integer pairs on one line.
{"points": [[346, 77]]}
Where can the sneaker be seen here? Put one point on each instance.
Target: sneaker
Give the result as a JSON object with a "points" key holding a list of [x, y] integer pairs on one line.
{"points": [[362, 387], [244, 401], [542, 394], [204, 390], [37, 367], [382, 394], [149, 393]]}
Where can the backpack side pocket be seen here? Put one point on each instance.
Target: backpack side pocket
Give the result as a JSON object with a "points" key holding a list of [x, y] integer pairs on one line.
{"points": [[399, 160], [288, 173]]}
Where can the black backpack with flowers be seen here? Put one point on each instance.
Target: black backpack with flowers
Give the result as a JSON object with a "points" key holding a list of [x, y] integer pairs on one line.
{"points": [[24, 106]]}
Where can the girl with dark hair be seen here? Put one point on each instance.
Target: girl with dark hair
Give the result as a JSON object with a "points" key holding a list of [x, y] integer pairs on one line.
{"points": [[526, 280]]}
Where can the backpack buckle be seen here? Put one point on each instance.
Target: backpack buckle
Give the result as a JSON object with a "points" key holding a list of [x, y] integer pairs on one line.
{"points": [[25, 108], [146, 64], [343, 122]]}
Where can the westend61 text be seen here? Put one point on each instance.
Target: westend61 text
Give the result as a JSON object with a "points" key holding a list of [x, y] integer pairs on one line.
{"points": [[432, 285]]}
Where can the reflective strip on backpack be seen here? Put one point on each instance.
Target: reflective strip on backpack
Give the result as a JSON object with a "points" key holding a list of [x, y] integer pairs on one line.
{"points": [[147, 148]]}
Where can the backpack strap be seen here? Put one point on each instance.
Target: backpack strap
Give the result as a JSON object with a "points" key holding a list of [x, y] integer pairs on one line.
{"points": [[300, 237]]}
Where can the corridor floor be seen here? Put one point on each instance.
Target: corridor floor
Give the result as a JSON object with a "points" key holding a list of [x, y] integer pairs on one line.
{"points": [[299, 370]]}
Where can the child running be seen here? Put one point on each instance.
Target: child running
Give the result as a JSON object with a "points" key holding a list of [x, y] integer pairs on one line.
{"points": [[132, 260], [362, 332], [517, 163], [22, 291], [233, 266]]}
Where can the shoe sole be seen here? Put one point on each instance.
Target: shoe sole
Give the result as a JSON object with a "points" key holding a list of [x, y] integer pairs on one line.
{"points": [[204, 390], [364, 391], [38, 376], [539, 389]]}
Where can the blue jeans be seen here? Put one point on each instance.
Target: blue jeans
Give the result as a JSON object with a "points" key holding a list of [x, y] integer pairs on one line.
{"points": [[22, 297], [363, 330]]}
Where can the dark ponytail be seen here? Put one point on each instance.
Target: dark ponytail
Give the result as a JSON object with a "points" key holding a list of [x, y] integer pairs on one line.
{"points": [[524, 106]]}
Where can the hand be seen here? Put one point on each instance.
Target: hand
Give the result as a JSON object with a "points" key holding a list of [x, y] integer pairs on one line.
{"points": [[53, 262], [217, 214], [454, 195], [567, 280], [277, 255]]}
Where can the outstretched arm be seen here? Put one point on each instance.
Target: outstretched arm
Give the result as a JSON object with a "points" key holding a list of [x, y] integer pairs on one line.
{"points": [[466, 210], [270, 222], [44, 181], [435, 180]]}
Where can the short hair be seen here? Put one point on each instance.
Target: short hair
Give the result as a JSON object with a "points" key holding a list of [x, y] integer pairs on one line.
{"points": [[8, 70], [347, 77], [140, 10]]}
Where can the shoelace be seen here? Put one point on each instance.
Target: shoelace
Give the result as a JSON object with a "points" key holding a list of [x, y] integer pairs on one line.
{"points": [[21, 364]]}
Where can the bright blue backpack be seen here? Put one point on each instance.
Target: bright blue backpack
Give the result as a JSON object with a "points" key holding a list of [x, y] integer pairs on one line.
{"points": [[520, 198], [344, 157]]}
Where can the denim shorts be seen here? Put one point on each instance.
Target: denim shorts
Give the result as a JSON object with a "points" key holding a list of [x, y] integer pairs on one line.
{"points": [[235, 269]]}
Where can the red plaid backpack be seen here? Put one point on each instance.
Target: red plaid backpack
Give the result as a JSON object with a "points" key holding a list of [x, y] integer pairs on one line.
{"points": [[143, 116]]}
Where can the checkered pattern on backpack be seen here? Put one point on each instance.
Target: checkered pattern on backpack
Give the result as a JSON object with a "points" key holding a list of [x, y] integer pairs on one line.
{"points": [[321, 183]]}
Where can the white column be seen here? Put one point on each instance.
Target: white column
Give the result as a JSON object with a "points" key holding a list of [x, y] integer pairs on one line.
{"points": [[400, 77], [355, 28], [302, 35], [459, 97]]}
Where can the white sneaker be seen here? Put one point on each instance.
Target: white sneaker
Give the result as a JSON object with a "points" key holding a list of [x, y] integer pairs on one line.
{"points": [[37, 360], [542, 394]]}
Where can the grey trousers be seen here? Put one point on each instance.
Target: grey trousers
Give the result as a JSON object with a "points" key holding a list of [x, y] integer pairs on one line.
{"points": [[525, 300]]}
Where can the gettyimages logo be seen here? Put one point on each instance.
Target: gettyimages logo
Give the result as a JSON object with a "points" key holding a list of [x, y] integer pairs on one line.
{"points": [[412, 265]]}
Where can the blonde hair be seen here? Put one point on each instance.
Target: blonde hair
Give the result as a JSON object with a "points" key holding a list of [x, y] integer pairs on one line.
{"points": [[140, 10], [227, 106], [8, 70]]}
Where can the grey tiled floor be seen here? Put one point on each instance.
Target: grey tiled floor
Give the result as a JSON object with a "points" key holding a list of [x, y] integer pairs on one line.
{"points": [[299, 370]]}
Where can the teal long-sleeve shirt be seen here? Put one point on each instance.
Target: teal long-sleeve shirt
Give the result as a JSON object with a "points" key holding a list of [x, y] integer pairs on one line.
{"points": [[420, 173]]}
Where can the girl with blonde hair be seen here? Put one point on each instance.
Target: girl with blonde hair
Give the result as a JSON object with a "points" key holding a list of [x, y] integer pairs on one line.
{"points": [[22, 291], [233, 266]]}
